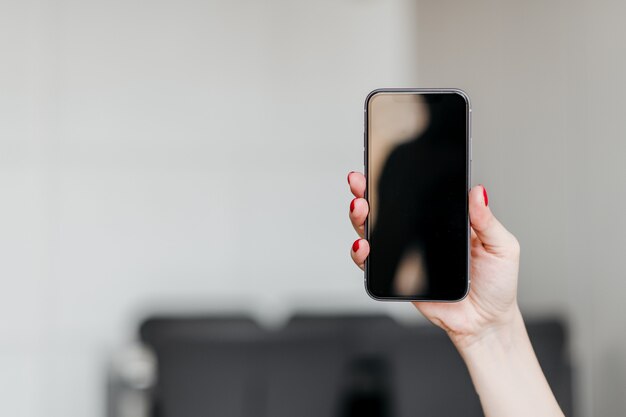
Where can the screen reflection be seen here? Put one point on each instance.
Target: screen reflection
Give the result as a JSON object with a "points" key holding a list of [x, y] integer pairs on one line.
{"points": [[417, 170]]}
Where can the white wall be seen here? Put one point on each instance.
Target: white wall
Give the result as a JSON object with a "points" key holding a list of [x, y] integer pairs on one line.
{"points": [[175, 153], [547, 85]]}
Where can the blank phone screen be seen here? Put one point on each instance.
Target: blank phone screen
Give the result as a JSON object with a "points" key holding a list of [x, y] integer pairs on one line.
{"points": [[417, 169]]}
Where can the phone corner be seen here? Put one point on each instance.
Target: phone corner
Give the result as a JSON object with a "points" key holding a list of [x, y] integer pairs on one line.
{"points": [[369, 292], [464, 95], [465, 294], [370, 95]]}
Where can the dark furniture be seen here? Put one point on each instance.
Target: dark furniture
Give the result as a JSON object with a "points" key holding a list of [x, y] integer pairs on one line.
{"points": [[323, 366]]}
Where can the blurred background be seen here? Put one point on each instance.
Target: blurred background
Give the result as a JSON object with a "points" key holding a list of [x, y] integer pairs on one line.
{"points": [[190, 157]]}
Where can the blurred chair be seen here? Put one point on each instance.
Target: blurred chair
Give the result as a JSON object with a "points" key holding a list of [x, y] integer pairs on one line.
{"points": [[317, 366]]}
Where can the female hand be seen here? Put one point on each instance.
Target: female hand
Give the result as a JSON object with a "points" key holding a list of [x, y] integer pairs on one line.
{"points": [[491, 304], [486, 327]]}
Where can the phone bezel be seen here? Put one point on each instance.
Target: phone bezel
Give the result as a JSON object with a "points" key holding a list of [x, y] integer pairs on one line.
{"points": [[468, 167]]}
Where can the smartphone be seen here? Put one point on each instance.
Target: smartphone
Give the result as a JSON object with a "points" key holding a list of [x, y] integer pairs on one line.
{"points": [[417, 165]]}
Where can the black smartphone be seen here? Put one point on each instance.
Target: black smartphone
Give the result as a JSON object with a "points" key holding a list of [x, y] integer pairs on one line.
{"points": [[417, 165]]}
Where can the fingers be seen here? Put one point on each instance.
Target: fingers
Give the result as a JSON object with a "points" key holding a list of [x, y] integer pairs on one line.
{"points": [[359, 251], [357, 184], [359, 209], [493, 236]]}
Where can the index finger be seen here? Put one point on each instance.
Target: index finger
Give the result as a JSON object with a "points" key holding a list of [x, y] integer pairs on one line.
{"points": [[357, 184]]}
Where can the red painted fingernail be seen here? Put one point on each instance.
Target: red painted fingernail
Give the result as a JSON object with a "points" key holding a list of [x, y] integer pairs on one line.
{"points": [[349, 176], [352, 205], [355, 245], [485, 197]]}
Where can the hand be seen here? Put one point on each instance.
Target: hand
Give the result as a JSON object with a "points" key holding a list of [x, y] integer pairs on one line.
{"points": [[491, 305]]}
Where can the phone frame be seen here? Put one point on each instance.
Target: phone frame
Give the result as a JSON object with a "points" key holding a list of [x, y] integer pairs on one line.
{"points": [[468, 165]]}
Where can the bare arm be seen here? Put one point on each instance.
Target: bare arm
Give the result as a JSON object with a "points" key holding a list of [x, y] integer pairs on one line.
{"points": [[506, 374]]}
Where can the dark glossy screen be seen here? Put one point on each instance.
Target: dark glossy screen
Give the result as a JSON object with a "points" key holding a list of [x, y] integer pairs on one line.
{"points": [[417, 166]]}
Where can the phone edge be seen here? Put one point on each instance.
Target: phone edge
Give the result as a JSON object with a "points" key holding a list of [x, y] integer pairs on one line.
{"points": [[468, 155]]}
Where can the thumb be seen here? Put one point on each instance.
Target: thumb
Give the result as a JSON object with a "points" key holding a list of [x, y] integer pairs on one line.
{"points": [[493, 236]]}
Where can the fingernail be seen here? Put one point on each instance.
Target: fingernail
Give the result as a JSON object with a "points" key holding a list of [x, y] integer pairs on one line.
{"points": [[352, 205], [355, 245], [485, 197], [349, 176]]}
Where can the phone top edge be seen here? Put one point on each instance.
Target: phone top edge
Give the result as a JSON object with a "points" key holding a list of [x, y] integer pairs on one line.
{"points": [[458, 91]]}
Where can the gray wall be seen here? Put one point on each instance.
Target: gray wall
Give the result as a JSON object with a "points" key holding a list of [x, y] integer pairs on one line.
{"points": [[186, 154], [547, 84]]}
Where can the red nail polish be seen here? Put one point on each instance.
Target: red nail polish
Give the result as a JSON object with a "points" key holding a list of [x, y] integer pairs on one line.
{"points": [[349, 176], [485, 197], [352, 205], [355, 245]]}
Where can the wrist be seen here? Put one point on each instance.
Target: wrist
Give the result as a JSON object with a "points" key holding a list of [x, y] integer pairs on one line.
{"points": [[503, 333], [505, 370]]}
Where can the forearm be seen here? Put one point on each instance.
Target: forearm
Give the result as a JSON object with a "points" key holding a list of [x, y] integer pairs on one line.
{"points": [[506, 373]]}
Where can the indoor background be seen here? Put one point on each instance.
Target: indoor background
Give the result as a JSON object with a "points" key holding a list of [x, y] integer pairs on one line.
{"points": [[192, 156]]}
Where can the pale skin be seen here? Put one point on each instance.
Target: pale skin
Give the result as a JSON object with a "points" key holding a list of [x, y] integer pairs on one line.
{"points": [[486, 327]]}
